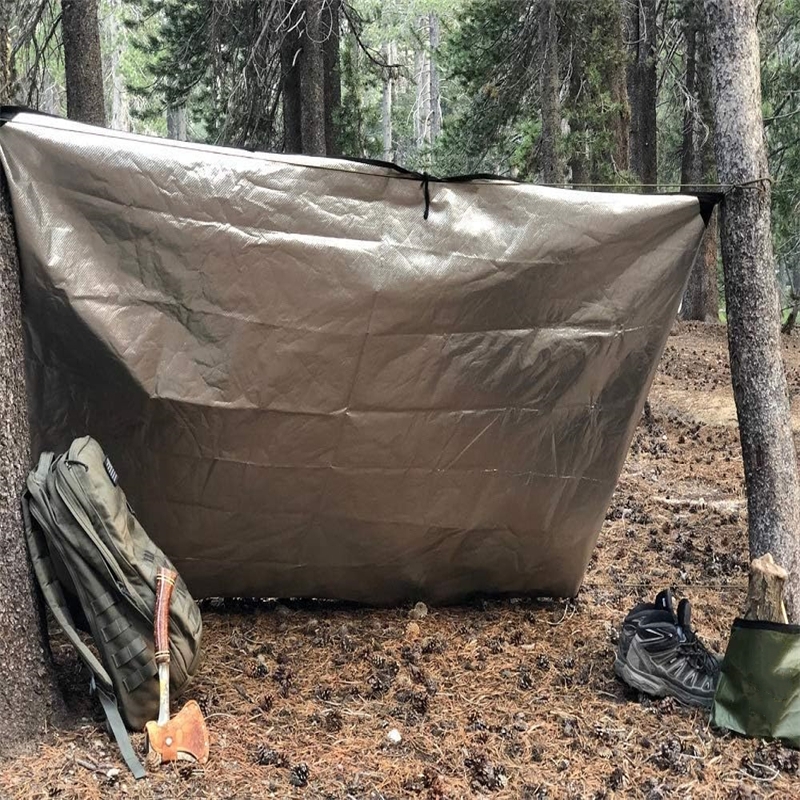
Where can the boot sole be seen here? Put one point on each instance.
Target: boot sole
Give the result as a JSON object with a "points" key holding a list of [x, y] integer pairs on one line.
{"points": [[655, 687]]}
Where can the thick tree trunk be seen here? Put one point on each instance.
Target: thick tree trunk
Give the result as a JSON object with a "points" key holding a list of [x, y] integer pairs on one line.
{"points": [[27, 694], [83, 65], [759, 381], [549, 85], [640, 31], [333, 80], [176, 123], [649, 83], [386, 107], [435, 94], [312, 80], [290, 79]]}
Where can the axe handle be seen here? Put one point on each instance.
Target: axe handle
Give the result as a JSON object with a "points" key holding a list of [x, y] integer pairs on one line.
{"points": [[165, 583]]}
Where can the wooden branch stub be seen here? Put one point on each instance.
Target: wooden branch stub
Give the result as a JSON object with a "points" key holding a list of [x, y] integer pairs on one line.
{"points": [[765, 590]]}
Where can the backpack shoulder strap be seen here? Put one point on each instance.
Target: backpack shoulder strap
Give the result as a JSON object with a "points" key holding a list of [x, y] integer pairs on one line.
{"points": [[54, 594], [56, 602]]}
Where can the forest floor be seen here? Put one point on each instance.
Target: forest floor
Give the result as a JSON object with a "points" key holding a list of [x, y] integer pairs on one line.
{"points": [[502, 699]]}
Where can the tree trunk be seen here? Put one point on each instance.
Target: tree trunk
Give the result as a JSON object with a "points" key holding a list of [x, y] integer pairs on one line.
{"points": [[630, 21], [619, 94], [176, 123], [688, 152], [549, 85], [578, 152], [333, 80], [27, 695], [759, 381], [640, 32], [648, 158], [290, 79], [312, 81], [701, 298], [112, 46], [422, 78], [386, 107], [83, 66], [7, 9], [434, 92]]}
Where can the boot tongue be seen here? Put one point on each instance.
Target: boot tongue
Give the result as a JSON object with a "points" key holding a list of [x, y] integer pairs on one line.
{"points": [[664, 600], [685, 617]]}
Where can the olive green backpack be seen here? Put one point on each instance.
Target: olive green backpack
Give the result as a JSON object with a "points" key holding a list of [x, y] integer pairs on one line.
{"points": [[95, 564]]}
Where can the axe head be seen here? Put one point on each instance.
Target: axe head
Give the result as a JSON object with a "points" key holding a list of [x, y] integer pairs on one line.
{"points": [[183, 738]]}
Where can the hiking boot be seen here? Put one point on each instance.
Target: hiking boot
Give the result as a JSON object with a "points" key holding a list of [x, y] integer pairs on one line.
{"points": [[660, 610], [666, 659]]}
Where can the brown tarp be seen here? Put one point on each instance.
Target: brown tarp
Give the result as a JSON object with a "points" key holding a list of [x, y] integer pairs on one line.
{"points": [[309, 389]]}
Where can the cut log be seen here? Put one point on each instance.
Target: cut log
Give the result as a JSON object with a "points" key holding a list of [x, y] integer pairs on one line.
{"points": [[765, 591]]}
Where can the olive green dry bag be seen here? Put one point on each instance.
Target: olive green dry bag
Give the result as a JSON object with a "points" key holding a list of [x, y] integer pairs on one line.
{"points": [[759, 688]]}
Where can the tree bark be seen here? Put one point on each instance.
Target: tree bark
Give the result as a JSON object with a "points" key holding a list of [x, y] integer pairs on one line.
{"points": [[27, 688], [619, 94], [312, 81], [422, 100], [7, 8], [759, 381], [176, 123], [333, 80], [290, 79], [765, 591], [83, 65], [549, 85], [642, 87]]}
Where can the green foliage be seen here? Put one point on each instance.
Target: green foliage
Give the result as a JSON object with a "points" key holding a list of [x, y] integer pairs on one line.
{"points": [[780, 47]]}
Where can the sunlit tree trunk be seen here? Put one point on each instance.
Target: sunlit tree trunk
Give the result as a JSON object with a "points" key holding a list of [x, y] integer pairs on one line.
{"points": [[549, 84], [290, 78], [83, 65], [312, 81], [386, 106], [176, 123], [333, 81], [751, 292]]}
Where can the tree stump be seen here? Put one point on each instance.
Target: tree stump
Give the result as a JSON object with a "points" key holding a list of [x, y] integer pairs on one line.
{"points": [[765, 591]]}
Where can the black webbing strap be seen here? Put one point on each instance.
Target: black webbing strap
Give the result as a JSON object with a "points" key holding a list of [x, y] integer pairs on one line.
{"points": [[120, 732]]}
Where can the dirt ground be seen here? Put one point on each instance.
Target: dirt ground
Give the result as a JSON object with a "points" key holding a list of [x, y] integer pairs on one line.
{"points": [[506, 699]]}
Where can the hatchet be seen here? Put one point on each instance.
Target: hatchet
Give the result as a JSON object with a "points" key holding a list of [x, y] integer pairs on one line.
{"points": [[185, 736]]}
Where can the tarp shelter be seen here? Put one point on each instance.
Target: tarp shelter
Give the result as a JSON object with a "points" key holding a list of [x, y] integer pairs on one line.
{"points": [[311, 387]]}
